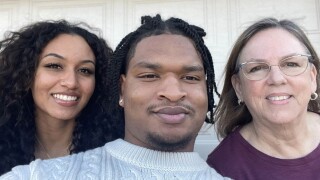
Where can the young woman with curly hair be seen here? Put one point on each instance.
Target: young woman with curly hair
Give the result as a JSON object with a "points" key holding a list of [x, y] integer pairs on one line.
{"points": [[53, 93]]}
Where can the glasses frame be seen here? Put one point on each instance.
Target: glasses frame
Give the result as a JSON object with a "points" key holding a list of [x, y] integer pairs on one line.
{"points": [[296, 55]]}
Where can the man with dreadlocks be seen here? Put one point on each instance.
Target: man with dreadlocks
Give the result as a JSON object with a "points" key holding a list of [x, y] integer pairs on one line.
{"points": [[165, 92]]}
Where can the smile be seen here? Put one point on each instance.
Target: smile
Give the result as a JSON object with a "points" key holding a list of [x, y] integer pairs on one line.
{"points": [[278, 98], [65, 97]]}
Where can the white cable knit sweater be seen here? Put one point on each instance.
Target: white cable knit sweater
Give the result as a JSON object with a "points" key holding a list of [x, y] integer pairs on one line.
{"points": [[118, 160]]}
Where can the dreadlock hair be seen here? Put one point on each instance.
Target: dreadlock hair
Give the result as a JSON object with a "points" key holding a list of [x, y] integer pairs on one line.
{"points": [[153, 26], [19, 59]]}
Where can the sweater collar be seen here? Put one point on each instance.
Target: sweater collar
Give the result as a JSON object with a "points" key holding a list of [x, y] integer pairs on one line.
{"points": [[147, 158]]}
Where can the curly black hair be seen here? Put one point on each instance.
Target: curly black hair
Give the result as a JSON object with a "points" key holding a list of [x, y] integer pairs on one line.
{"points": [[19, 58], [152, 26]]}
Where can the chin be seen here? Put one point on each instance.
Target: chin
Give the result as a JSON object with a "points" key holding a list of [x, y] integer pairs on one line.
{"points": [[169, 143], [66, 118]]}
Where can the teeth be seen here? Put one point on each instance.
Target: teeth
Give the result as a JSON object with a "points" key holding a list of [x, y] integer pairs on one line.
{"points": [[278, 98], [65, 97]]}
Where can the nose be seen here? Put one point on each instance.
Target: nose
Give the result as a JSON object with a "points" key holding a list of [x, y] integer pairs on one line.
{"points": [[171, 89], [69, 80], [276, 77]]}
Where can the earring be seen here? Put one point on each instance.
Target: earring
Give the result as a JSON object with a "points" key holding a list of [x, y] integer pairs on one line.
{"points": [[120, 101], [239, 101], [314, 96]]}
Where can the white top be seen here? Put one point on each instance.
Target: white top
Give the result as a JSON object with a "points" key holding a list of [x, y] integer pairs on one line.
{"points": [[118, 160]]}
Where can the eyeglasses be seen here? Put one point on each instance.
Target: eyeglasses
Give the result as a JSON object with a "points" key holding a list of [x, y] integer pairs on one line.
{"points": [[290, 66]]}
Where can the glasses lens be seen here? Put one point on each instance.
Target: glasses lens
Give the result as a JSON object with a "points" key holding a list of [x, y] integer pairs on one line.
{"points": [[255, 70], [295, 65]]}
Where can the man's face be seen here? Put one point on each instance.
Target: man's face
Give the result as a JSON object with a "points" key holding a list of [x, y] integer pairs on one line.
{"points": [[164, 94]]}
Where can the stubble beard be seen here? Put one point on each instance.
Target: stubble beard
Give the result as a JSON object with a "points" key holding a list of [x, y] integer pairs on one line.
{"points": [[159, 143]]}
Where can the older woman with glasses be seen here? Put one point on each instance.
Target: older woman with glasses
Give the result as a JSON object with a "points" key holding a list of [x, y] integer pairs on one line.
{"points": [[269, 109]]}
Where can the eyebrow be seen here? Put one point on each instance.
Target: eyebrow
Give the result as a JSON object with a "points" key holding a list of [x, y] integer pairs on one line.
{"points": [[147, 65], [193, 68], [54, 55], [61, 57], [155, 66], [263, 60]]}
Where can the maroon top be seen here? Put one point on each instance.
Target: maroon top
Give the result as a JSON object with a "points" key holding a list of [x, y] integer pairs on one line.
{"points": [[234, 157]]}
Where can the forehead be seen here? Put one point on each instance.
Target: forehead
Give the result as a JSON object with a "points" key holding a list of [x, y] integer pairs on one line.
{"points": [[164, 47], [273, 43], [69, 45], [65, 38], [72, 41]]}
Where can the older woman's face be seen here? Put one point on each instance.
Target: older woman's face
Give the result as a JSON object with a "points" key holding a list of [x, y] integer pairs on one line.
{"points": [[277, 98]]}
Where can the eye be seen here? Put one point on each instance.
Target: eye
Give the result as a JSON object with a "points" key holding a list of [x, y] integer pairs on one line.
{"points": [[53, 66], [290, 64], [86, 71], [191, 78], [256, 67], [148, 77]]}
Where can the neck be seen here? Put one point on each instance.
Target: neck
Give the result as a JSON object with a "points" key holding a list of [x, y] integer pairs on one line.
{"points": [[286, 141], [53, 139], [43, 152]]}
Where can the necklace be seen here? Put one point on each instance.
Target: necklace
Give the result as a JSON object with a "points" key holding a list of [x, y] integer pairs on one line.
{"points": [[46, 151]]}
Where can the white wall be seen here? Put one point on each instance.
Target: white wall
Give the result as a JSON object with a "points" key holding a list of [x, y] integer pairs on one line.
{"points": [[223, 21]]}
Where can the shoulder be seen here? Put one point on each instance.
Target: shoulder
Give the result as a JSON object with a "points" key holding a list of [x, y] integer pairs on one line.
{"points": [[228, 148], [213, 174], [233, 139], [58, 168], [20, 172], [40, 169]]}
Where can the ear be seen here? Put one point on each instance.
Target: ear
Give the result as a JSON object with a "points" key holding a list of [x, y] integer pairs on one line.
{"points": [[122, 84], [313, 74], [237, 86]]}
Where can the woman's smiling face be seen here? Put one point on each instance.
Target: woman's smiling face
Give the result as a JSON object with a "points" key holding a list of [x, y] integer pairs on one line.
{"points": [[65, 78], [277, 98]]}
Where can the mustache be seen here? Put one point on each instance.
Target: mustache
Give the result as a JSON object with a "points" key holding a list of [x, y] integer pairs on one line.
{"points": [[152, 107]]}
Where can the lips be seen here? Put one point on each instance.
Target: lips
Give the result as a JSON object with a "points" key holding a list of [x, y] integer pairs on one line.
{"points": [[172, 115], [173, 110]]}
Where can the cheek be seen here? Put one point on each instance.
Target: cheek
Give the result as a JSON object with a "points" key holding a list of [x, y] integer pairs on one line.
{"points": [[199, 97], [253, 88], [88, 86], [252, 93], [40, 89], [303, 91], [40, 83], [134, 95], [141, 96]]}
